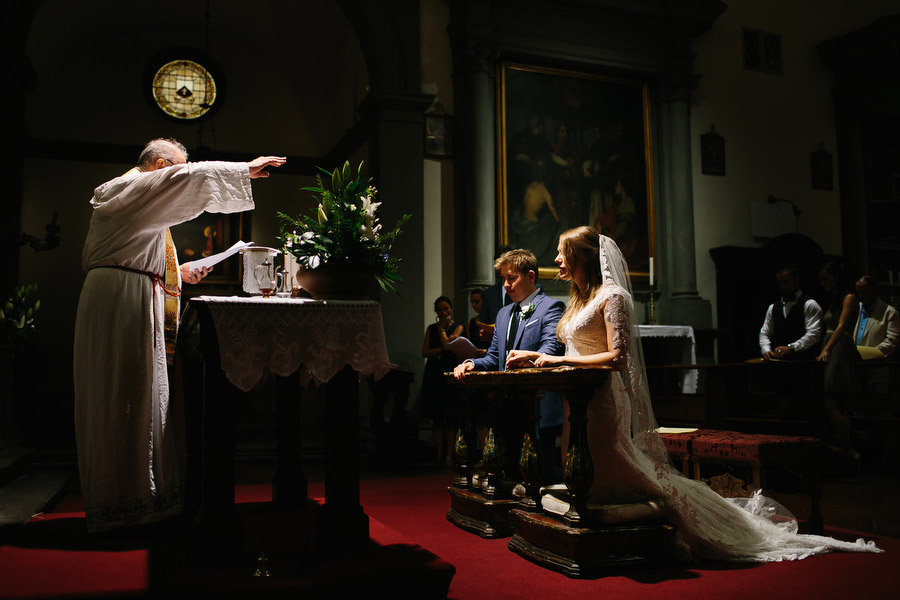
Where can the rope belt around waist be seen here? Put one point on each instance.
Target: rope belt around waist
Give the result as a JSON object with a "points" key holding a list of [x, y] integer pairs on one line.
{"points": [[157, 278]]}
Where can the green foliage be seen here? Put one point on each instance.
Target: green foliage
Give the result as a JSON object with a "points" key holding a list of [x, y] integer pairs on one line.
{"points": [[18, 318], [345, 228]]}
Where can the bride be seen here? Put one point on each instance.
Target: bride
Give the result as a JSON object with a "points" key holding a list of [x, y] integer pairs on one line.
{"points": [[630, 461]]}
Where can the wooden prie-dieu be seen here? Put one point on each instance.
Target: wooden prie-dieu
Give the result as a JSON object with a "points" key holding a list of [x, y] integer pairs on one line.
{"points": [[586, 540]]}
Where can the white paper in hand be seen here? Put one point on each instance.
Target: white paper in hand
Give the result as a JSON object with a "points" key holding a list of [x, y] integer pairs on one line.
{"points": [[217, 258]]}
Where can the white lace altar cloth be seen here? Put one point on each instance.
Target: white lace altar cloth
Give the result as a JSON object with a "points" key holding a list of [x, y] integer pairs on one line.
{"points": [[688, 354], [280, 335]]}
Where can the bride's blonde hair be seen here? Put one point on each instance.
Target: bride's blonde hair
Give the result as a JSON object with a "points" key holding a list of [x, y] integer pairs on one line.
{"points": [[581, 247]]}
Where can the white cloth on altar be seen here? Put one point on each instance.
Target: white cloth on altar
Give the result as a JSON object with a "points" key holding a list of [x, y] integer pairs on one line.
{"points": [[129, 438], [260, 335]]}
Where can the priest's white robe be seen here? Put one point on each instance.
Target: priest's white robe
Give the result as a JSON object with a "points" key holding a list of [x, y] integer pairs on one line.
{"points": [[129, 439]]}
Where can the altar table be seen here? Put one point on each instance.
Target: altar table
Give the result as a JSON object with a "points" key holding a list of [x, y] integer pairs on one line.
{"points": [[683, 336], [330, 343]]}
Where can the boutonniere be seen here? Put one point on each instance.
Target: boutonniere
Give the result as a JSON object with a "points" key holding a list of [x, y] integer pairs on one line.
{"points": [[526, 311]]}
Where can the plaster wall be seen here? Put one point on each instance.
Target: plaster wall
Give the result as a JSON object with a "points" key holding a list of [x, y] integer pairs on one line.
{"points": [[771, 123]]}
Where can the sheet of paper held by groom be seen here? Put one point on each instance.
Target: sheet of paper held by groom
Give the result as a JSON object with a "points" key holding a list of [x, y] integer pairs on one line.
{"points": [[217, 258]]}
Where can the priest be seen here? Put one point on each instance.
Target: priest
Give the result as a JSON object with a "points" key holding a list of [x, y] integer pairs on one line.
{"points": [[130, 443]]}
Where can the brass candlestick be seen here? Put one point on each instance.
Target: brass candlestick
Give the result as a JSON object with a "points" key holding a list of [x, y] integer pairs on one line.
{"points": [[651, 310]]}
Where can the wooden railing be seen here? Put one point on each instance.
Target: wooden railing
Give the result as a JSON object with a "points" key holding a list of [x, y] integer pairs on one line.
{"points": [[769, 397], [763, 397]]}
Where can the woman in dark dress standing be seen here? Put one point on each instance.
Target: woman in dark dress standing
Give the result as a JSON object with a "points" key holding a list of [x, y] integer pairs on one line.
{"points": [[438, 403], [841, 308]]}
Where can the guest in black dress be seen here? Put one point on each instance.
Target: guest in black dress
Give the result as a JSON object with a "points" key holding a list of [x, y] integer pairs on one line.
{"points": [[841, 308], [438, 402]]}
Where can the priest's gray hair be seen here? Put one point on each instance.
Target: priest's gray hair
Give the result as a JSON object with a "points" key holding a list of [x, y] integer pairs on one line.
{"points": [[161, 148]]}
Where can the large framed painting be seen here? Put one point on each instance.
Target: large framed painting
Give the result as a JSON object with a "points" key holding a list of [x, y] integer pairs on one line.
{"points": [[209, 234], [574, 149]]}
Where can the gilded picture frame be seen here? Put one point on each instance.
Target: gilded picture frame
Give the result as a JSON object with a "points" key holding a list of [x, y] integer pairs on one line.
{"points": [[575, 149]]}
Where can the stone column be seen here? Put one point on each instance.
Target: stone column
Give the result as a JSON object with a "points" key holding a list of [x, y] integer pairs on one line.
{"points": [[396, 155], [678, 273], [481, 184]]}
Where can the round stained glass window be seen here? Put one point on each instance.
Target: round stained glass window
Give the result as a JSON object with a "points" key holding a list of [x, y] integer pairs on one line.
{"points": [[184, 89]]}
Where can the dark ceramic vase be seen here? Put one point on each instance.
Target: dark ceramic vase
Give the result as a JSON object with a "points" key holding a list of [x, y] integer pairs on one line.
{"points": [[338, 282]]}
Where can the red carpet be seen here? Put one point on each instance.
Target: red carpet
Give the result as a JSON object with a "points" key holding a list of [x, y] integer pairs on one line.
{"points": [[411, 510]]}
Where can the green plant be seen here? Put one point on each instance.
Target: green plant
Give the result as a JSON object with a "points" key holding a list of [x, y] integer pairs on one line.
{"points": [[345, 229], [18, 317]]}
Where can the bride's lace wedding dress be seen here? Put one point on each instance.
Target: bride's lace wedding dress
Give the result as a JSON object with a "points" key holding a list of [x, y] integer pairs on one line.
{"points": [[631, 463]]}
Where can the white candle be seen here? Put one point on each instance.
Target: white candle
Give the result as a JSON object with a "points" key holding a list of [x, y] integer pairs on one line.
{"points": [[651, 271]]}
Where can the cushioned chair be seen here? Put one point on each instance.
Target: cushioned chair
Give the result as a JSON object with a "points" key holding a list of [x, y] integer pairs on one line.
{"points": [[756, 452]]}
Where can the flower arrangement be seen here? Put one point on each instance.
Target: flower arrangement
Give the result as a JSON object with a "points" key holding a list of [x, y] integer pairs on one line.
{"points": [[18, 318], [345, 229]]}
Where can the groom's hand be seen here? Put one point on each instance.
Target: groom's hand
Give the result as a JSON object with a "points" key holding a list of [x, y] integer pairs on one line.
{"points": [[461, 369], [521, 359]]}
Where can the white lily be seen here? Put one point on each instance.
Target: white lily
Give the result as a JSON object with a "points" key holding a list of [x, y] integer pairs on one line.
{"points": [[367, 232]]}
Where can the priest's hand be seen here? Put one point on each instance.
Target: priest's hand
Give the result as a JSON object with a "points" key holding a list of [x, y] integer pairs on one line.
{"points": [[189, 275], [258, 165]]}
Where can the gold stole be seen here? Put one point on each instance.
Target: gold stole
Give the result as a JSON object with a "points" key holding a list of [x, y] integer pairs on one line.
{"points": [[171, 298]]}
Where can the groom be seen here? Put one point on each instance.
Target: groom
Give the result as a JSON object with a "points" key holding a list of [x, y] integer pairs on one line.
{"points": [[529, 323]]}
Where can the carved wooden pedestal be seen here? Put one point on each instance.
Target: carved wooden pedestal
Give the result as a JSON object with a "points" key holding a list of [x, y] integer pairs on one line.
{"points": [[470, 510], [485, 510], [585, 541], [588, 552], [483, 507]]}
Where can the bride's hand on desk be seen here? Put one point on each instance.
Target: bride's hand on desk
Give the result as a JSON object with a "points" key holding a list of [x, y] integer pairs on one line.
{"points": [[547, 360]]}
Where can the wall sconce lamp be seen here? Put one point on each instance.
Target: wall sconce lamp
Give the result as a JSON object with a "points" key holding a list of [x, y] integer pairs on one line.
{"points": [[50, 241]]}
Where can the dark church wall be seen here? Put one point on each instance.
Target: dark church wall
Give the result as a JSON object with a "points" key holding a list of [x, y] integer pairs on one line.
{"points": [[296, 75], [297, 72]]}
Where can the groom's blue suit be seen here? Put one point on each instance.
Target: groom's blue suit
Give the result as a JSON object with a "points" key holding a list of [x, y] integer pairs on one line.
{"points": [[536, 332]]}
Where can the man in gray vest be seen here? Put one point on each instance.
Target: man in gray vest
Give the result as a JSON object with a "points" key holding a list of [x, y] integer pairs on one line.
{"points": [[793, 326]]}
